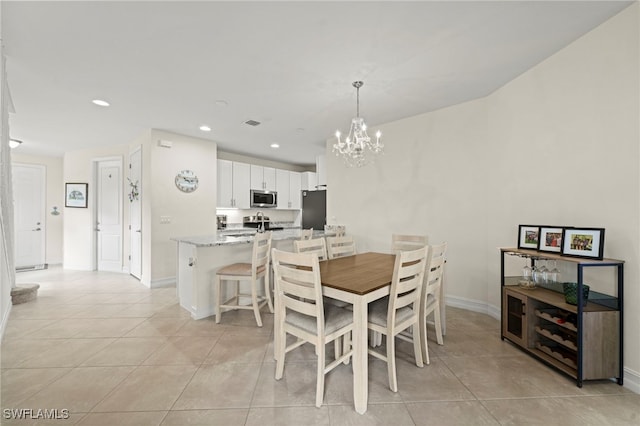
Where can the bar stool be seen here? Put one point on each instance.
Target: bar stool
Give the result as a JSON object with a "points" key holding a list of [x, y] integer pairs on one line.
{"points": [[252, 272]]}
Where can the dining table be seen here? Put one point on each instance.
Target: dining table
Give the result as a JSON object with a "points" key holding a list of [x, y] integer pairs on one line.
{"points": [[358, 279]]}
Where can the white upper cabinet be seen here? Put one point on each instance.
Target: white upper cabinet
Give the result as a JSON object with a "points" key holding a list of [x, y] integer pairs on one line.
{"points": [[282, 186], [321, 170], [295, 190], [288, 187], [241, 189], [263, 178], [309, 181], [233, 184], [225, 183]]}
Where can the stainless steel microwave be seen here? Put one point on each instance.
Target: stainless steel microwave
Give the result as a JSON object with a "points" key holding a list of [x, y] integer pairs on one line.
{"points": [[264, 199]]}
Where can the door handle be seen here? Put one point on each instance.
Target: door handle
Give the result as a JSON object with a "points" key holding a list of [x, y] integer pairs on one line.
{"points": [[138, 230], [37, 229]]}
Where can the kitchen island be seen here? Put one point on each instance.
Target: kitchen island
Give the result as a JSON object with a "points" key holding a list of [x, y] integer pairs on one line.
{"points": [[199, 257]]}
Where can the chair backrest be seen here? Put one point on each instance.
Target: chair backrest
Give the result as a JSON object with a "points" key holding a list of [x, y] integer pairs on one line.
{"points": [[306, 234], [435, 269], [407, 282], [297, 285], [400, 242], [315, 245], [338, 230], [340, 246], [261, 252]]}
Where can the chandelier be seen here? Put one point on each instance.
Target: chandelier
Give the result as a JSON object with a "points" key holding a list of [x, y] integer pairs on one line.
{"points": [[357, 150]]}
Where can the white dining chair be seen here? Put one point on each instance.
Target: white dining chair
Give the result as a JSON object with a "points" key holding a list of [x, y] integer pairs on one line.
{"points": [[252, 272], [300, 312], [314, 245], [430, 299], [340, 246], [401, 242], [401, 310], [430, 302], [306, 234]]}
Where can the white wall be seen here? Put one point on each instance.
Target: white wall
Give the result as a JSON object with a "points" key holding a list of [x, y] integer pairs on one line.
{"points": [[430, 180], [54, 193], [262, 162], [191, 213], [79, 223], [7, 266], [558, 145]]}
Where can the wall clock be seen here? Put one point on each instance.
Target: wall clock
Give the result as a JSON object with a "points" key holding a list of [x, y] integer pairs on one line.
{"points": [[187, 181]]}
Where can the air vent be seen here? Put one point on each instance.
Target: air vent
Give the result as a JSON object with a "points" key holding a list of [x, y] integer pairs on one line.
{"points": [[253, 123]]}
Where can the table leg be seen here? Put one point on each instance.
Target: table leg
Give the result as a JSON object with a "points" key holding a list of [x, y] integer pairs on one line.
{"points": [[360, 356]]}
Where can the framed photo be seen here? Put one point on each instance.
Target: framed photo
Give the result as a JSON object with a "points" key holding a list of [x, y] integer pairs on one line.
{"points": [[528, 236], [583, 242], [76, 195], [550, 239]]}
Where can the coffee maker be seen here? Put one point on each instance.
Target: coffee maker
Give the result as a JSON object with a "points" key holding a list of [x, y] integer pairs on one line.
{"points": [[222, 221]]}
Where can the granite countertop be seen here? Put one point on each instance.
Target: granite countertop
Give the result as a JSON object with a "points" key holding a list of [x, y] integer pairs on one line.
{"points": [[243, 237]]}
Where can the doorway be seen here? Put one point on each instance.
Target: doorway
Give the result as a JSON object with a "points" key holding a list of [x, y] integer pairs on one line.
{"points": [[108, 218], [29, 181]]}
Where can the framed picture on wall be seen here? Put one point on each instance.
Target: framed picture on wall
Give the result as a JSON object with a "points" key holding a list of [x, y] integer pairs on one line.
{"points": [[528, 236], [583, 242], [76, 195], [550, 239]]}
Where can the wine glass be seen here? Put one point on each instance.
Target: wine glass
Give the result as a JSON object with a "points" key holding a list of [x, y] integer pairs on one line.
{"points": [[526, 271], [544, 273], [554, 274], [538, 274]]}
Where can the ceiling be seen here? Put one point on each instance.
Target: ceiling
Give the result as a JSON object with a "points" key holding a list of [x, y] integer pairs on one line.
{"points": [[289, 65]]}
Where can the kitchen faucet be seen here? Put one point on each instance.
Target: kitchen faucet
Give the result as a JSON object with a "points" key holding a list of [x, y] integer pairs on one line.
{"points": [[261, 216]]}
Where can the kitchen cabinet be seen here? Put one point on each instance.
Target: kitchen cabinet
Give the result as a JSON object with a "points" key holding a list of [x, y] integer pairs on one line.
{"points": [[295, 190], [585, 340], [309, 181], [233, 184], [263, 178], [288, 188], [321, 171]]}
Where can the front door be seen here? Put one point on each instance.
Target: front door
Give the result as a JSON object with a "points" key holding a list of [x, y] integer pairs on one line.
{"points": [[135, 211], [109, 215], [29, 201]]}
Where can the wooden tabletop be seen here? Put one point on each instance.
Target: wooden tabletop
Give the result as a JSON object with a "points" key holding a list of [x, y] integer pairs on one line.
{"points": [[359, 274]]}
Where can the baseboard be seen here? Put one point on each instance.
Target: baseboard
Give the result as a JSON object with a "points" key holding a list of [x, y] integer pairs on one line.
{"points": [[631, 380], [163, 282], [5, 320], [32, 268], [473, 305]]}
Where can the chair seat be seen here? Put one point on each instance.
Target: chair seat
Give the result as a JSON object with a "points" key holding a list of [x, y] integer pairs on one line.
{"points": [[334, 319], [378, 312], [242, 269]]}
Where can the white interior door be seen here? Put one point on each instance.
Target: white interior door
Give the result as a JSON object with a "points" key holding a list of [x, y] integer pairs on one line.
{"points": [[135, 211], [109, 215], [29, 204]]}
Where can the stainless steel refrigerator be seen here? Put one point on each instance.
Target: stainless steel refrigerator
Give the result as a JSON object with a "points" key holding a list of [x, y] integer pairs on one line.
{"points": [[314, 209]]}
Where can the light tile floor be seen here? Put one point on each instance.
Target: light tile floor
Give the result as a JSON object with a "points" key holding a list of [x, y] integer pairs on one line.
{"points": [[113, 352]]}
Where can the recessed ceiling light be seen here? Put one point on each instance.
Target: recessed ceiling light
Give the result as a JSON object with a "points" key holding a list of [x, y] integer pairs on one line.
{"points": [[100, 102], [275, 145], [205, 128], [222, 103], [14, 143]]}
